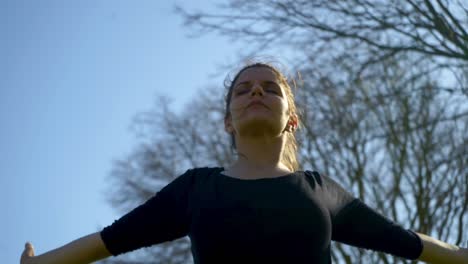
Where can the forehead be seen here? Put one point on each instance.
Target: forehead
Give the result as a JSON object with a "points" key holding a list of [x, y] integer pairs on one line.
{"points": [[257, 73]]}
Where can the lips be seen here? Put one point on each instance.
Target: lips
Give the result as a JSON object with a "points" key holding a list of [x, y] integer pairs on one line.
{"points": [[256, 103]]}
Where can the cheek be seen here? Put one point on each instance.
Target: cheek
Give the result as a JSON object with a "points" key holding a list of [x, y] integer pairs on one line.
{"points": [[236, 104], [280, 106]]}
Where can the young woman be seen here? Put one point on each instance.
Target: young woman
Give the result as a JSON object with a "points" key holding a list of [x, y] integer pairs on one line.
{"points": [[261, 208]]}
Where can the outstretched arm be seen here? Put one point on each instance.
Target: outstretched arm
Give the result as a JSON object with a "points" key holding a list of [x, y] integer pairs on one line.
{"points": [[436, 251], [83, 250]]}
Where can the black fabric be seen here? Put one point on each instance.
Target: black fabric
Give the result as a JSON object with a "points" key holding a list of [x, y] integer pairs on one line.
{"points": [[287, 219]]}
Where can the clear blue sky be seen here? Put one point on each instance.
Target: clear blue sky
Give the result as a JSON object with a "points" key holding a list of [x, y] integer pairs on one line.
{"points": [[73, 74]]}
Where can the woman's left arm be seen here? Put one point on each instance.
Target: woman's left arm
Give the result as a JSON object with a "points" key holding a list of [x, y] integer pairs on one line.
{"points": [[436, 251]]}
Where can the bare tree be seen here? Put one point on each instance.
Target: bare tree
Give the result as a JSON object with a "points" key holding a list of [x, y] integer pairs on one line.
{"points": [[394, 141], [362, 31]]}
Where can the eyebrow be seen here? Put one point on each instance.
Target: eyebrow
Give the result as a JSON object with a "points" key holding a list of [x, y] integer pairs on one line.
{"points": [[266, 81]]}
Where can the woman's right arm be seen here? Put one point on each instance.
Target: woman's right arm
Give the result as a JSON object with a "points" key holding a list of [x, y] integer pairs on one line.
{"points": [[163, 217], [86, 249]]}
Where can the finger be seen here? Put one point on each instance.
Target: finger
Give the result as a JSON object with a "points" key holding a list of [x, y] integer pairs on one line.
{"points": [[29, 249], [28, 252], [24, 256]]}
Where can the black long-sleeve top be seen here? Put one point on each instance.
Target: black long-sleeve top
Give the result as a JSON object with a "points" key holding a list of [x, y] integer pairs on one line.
{"points": [[286, 219]]}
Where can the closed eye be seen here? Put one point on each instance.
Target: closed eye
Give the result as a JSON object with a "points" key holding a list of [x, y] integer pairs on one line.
{"points": [[241, 92], [272, 91], [272, 87], [268, 86]]}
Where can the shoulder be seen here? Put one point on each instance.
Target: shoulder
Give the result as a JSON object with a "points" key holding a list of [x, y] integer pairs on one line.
{"points": [[331, 193], [193, 180], [189, 180], [314, 176], [322, 180], [197, 174], [205, 171], [333, 189]]}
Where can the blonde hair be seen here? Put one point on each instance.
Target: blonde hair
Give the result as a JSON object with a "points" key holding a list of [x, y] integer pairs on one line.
{"points": [[289, 156]]}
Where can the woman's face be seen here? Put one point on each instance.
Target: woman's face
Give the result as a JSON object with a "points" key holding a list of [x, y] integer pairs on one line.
{"points": [[257, 84]]}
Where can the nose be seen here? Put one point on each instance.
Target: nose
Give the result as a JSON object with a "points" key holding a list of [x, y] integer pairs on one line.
{"points": [[257, 88]]}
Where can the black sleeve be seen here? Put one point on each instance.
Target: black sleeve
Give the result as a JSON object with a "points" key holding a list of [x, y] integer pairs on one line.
{"points": [[163, 217], [356, 224], [334, 196], [361, 226]]}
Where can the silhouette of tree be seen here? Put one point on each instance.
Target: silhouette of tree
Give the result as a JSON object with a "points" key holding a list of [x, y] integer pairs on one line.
{"points": [[364, 32]]}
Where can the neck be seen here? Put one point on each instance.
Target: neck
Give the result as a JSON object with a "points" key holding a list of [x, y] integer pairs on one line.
{"points": [[260, 154]]}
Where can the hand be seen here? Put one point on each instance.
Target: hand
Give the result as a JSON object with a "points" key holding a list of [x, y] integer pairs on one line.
{"points": [[28, 254]]}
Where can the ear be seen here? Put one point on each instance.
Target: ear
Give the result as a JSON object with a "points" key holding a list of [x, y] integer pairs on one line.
{"points": [[292, 122], [228, 125]]}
